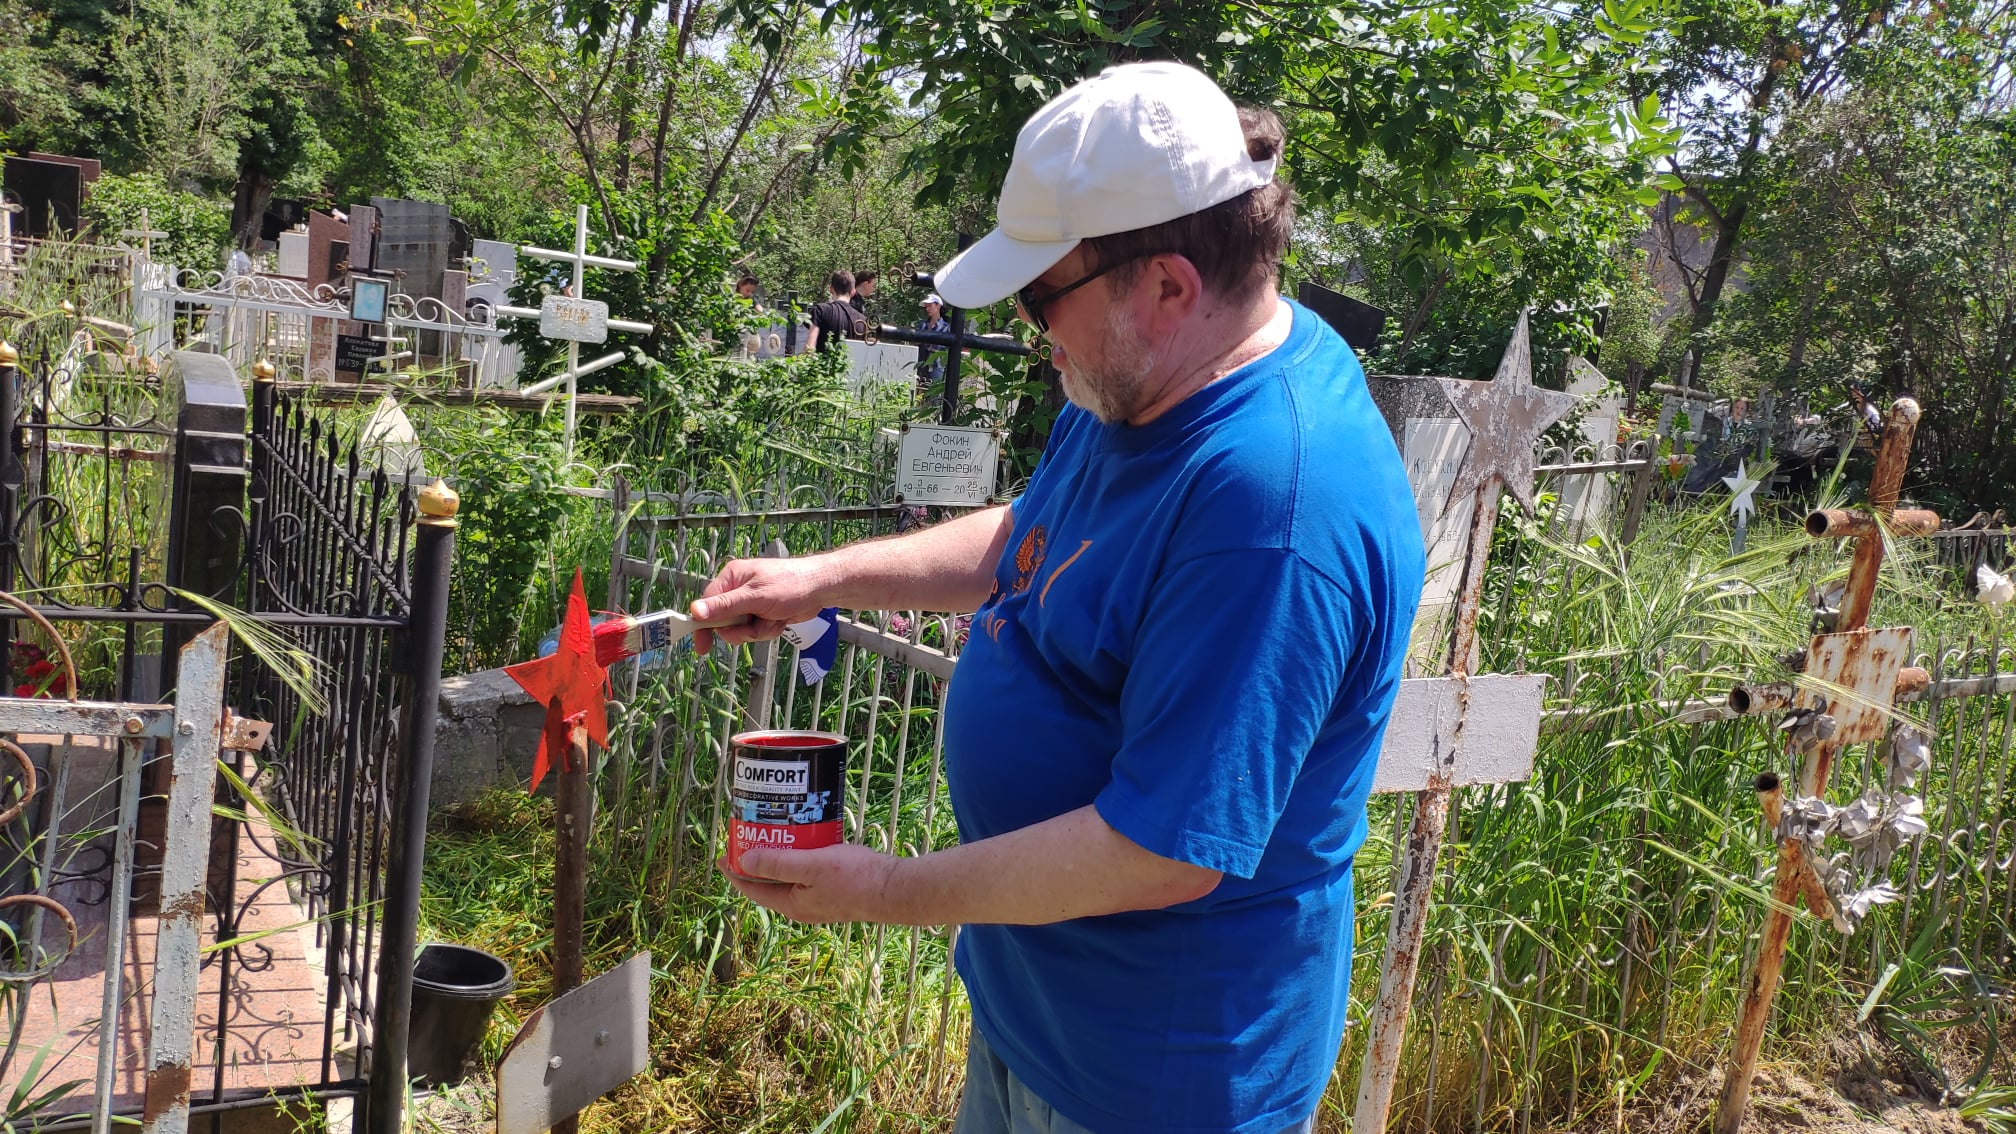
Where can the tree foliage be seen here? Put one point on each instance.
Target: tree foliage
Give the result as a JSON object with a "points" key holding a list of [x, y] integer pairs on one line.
{"points": [[1883, 252]]}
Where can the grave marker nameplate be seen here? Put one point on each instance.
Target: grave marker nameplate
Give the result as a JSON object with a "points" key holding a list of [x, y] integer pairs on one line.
{"points": [[574, 320], [944, 464], [354, 353]]}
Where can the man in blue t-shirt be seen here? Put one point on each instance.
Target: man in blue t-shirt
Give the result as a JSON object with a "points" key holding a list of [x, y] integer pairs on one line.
{"points": [[1188, 635]]}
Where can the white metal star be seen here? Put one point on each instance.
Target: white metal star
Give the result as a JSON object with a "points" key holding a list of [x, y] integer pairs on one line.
{"points": [[1506, 417], [1741, 487]]}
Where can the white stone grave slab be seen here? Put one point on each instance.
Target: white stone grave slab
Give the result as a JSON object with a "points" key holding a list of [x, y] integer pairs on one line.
{"points": [[879, 364], [293, 259]]}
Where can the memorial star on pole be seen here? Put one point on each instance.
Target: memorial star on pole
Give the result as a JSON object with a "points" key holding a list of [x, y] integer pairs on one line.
{"points": [[1741, 488], [570, 683], [1506, 417]]}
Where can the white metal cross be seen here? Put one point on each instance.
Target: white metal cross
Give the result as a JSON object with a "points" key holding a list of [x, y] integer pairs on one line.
{"points": [[582, 320]]}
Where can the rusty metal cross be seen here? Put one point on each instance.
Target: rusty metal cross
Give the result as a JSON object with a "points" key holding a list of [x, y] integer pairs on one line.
{"points": [[1851, 679], [1505, 418]]}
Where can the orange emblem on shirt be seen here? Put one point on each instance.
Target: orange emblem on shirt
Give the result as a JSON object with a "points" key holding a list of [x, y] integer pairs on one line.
{"points": [[1029, 557]]}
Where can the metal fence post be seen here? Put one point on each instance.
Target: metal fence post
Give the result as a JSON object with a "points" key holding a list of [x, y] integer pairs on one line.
{"points": [[1641, 485], [425, 643], [956, 353], [11, 479], [205, 557]]}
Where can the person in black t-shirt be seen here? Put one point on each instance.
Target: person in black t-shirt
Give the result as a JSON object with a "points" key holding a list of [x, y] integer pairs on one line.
{"points": [[835, 319], [864, 289]]}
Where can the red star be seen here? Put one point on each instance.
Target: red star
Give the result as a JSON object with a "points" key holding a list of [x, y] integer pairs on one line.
{"points": [[573, 688]]}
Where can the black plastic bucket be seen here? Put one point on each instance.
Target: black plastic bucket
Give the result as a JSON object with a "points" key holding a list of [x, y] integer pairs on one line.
{"points": [[455, 989]]}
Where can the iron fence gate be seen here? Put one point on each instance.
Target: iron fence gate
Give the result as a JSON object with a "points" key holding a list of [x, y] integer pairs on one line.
{"points": [[136, 509]]}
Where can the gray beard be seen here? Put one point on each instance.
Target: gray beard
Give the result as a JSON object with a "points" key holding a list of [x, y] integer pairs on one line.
{"points": [[1111, 389]]}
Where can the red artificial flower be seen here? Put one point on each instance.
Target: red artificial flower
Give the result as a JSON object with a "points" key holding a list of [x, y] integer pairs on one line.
{"points": [[41, 669], [24, 690]]}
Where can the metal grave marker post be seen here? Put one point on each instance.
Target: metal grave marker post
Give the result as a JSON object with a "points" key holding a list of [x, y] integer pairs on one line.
{"points": [[579, 320], [1851, 678], [1742, 488], [947, 464], [578, 1047], [1505, 418]]}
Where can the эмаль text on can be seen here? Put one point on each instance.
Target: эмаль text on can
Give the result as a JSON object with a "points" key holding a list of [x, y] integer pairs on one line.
{"points": [[785, 791]]}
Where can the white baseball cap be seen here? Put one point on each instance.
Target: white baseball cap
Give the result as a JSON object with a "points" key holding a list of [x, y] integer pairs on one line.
{"points": [[1137, 145], [933, 298]]}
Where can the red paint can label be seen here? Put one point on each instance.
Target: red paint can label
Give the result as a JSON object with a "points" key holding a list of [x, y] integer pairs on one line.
{"points": [[784, 792]]}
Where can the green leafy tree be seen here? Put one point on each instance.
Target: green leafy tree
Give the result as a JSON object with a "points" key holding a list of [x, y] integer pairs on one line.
{"points": [[198, 227], [1883, 251], [1737, 71]]}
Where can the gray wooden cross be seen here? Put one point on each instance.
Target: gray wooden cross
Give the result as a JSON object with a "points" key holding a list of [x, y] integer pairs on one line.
{"points": [[146, 233], [1456, 729]]}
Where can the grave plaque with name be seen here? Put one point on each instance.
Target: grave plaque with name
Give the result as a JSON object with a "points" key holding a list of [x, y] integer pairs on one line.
{"points": [[942, 464], [574, 320], [355, 352]]}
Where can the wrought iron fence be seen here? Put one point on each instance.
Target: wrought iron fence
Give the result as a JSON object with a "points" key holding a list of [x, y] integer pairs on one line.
{"points": [[189, 506]]}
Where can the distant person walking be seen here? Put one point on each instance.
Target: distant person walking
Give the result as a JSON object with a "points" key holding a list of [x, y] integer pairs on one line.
{"points": [[835, 319], [864, 290], [932, 369]]}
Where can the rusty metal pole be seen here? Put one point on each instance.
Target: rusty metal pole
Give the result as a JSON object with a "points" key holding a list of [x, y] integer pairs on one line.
{"points": [[571, 816], [1793, 869], [1386, 1029]]}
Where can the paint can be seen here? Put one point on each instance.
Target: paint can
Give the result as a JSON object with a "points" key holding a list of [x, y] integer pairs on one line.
{"points": [[784, 791]]}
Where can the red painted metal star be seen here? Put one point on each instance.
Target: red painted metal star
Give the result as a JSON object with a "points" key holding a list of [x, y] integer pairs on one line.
{"points": [[570, 684]]}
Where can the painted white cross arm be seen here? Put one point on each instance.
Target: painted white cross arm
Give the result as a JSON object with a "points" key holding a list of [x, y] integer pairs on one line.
{"points": [[630, 325], [571, 372], [1493, 737]]}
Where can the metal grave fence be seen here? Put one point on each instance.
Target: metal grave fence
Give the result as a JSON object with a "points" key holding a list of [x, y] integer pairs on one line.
{"points": [[136, 509]]}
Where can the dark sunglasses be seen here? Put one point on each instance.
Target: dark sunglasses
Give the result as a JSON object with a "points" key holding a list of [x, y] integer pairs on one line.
{"points": [[1033, 305]]}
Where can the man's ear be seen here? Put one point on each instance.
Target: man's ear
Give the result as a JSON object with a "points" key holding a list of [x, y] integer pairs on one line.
{"points": [[1175, 287]]}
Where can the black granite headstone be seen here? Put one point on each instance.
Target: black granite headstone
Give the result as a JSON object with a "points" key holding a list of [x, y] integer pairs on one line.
{"points": [[1359, 322]]}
